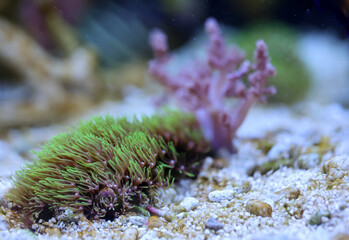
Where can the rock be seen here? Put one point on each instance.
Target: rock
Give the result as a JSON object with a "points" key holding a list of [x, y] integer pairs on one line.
{"points": [[178, 209], [336, 167], [155, 222], [189, 203], [259, 208], [137, 220], [68, 214], [220, 163], [319, 217], [130, 234], [53, 232], [245, 187], [213, 224], [289, 193], [221, 195], [308, 161], [169, 216]]}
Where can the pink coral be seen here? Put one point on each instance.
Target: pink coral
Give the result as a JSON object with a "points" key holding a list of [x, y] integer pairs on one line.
{"points": [[204, 87]]}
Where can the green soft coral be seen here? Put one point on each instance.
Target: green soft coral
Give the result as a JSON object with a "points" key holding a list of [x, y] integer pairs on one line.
{"points": [[107, 166]]}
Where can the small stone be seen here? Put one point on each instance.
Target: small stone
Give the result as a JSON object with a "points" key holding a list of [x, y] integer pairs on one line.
{"points": [[289, 193], [245, 188], [213, 224], [155, 222], [336, 167], [319, 216], [189, 203], [178, 209], [259, 208], [53, 220], [308, 161], [53, 232], [9, 204], [220, 163], [130, 234], [182, 215], [69, 215], [169, 216], [137, 220], [35, 226], [221, 195]]}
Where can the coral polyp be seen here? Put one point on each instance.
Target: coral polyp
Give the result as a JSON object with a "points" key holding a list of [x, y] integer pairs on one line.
{"points": [[107, 166]]}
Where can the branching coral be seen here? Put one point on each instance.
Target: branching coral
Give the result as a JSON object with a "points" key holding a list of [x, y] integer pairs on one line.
{"points": [[204, 87], [292, 80], [106, 167]]}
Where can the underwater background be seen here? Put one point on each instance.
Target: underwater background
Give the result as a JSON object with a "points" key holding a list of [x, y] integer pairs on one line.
{"points": [[285, 174]]}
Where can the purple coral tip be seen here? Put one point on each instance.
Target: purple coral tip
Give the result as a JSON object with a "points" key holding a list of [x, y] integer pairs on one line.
{"points": [[211, 25], [158, 41]]}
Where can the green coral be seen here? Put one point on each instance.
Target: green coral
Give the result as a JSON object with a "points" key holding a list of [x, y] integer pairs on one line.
{"points": [[292, 80], [107, 166]]}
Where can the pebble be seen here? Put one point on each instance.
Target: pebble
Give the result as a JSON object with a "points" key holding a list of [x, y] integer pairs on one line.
{"points": [[69, 215], [155, 222], [319, 217], [53, 232], [308, 161], [189, 203], [130, 234], [220, 163], [169, 216], [259, 208], [136, 220], [245, 188], [336, 167], [221, 195], [178, 209], [213, 224], [174, 212], [290, 193]]}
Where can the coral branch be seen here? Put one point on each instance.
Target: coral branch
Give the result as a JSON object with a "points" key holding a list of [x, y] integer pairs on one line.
{"points": [[204, 87]]}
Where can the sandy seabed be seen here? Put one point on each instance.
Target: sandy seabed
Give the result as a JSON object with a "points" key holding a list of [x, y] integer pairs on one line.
{"points": [[288, 180]]}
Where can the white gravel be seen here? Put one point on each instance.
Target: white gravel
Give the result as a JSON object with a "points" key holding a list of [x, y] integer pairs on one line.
{"points": [[295, 195]]}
